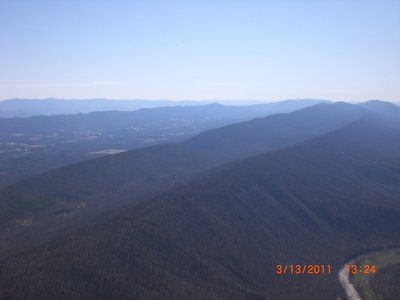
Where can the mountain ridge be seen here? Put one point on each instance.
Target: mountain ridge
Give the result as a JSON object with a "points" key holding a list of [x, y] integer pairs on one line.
{"points": [[223, 234], [157, 169]]}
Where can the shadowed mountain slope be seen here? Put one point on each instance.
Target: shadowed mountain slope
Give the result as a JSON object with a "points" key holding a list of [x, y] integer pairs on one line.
{"points": [[67, 198], [221, 236], [243, 139], [266, 134]]}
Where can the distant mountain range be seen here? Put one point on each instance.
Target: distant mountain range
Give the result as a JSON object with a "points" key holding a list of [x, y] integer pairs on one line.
{"points": [[11, 108], [111, 120], [211, 216], [36, 144]]}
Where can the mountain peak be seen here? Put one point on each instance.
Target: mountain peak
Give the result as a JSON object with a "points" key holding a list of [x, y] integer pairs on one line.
{"points": [[380, 106]]}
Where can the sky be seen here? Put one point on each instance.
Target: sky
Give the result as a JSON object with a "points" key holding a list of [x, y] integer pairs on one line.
{"points": [[200, 50]]}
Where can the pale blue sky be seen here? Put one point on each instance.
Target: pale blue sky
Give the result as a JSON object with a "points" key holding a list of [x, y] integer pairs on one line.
{"points": [[339, 50]]}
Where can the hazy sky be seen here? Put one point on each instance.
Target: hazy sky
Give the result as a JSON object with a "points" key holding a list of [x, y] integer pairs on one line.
{"points": [[340, 50]]}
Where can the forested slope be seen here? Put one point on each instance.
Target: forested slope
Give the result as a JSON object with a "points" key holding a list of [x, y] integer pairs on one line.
{"points": [[222, 235]]}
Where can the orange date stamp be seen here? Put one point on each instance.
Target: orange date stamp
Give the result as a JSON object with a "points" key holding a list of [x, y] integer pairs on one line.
{"points": [[303, 269]]}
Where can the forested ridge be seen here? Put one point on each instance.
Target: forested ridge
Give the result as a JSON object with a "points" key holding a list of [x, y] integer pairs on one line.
{"points": [[221, 235]]}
